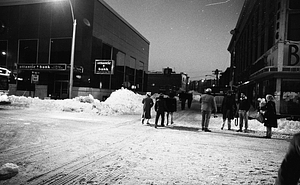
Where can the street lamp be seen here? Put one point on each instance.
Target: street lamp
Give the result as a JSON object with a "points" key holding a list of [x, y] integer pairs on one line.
{"points": [[72, 51]]}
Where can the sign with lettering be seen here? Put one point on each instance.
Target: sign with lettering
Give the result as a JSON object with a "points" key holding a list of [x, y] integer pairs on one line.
{"points": [[54, 67], [104, 66], [292, 54]]}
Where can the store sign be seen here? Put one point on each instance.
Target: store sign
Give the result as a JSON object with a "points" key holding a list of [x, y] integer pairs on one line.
{"points": [[292, 54], [104, 67], [4, 72], [54, 67]]}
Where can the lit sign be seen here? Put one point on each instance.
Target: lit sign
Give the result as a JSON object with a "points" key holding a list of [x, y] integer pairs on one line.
{"points": [[104, 66], [54, 67], [4, 72]]}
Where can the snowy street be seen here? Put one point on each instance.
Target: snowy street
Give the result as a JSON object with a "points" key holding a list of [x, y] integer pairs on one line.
{"points": [[55, 147]]}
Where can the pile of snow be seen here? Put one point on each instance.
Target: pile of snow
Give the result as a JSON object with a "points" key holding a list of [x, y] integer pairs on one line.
{"points": [[4, 98], [122, 101], [8, 170]]}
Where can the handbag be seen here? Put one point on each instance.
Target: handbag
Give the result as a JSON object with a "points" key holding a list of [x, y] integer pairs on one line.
{"points": [[260, 117]]}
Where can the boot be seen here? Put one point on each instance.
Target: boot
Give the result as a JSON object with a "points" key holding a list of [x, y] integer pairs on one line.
{"points": [[229, 126], [222, 125]]}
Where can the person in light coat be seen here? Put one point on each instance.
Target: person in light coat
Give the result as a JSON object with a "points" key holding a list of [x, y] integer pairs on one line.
{"points": [[208, 105]]}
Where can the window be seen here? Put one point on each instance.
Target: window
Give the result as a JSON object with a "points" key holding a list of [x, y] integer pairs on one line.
{"points": [[106, 51], [28, 52], [60, 50], [294, 4], [294, 27], [3, 53]]}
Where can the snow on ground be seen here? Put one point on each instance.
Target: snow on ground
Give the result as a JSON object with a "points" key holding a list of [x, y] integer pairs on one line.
{"points": [[124, 101]]}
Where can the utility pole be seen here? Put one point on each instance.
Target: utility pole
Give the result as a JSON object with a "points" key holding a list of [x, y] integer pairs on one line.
{"points": [[217, 73]]}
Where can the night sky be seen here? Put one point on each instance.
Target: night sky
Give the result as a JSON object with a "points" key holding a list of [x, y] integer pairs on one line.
{"points": [[190, 36]]}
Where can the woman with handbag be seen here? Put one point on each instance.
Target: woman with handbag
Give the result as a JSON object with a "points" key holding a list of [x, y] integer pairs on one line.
{"points": [[270, 115]]}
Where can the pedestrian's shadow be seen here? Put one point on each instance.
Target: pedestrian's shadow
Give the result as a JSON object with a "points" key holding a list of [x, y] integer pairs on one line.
{"points": [[176, 127], [184, 128]]}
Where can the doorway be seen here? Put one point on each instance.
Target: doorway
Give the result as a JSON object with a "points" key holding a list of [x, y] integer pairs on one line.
{"points": [[61, 89]]}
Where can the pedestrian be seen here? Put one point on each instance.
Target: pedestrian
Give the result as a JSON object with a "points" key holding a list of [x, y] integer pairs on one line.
{"points": [[182, 98], [289, 170], [270, 118], [208, 104], [160, 108], [190, 99], [244, 107], [171, 107], [228, 109], [147, 105]]}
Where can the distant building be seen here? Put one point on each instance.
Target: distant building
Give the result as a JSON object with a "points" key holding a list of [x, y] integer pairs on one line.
{"points": [[166, 81], [265, 53], [36, 39]]}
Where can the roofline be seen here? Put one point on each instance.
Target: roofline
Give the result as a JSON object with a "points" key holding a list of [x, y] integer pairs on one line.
{"points": [[23, 2], [123, 20]]}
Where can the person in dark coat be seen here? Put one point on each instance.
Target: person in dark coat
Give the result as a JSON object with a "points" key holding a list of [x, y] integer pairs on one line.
{"points": [[182, 98], [147, 105], [190, 99], [228, 109], [160, 108], [270, 115], [289, 170], [244, 107], [171, 107]]}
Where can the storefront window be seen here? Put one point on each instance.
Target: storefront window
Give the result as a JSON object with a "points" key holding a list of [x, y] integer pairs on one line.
{"points": [[3, 53], [28, 51], [60, 51], [294, 4], [294, 27], [290, 103]]}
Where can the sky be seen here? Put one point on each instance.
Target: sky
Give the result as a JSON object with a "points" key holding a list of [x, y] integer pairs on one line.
{"points": [[189, 36]]}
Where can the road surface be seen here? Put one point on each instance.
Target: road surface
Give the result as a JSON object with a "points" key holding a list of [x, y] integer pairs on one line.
{"points": [[77, 148]]}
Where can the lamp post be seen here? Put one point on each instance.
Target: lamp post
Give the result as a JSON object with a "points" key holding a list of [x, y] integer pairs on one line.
{"points": [[72, 51]]}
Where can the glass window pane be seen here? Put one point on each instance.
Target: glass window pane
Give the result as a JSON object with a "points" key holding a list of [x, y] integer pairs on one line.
{"points": [[28, 51], [294, 4], [60, 51], [3, 54], [294, 27]]}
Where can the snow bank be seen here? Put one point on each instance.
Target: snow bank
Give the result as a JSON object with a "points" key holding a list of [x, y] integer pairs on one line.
{"points": [[122, 101], [4, 98]]}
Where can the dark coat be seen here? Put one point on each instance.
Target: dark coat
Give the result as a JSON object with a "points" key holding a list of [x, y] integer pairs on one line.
{"points": [[171, 104], [229, 104], [160, 105], [289, 171], [147, 104], [244, 105], [270, 115]]}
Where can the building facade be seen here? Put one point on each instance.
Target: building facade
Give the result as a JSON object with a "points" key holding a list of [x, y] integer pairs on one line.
{"points": [[265, 53], [167, 81], [36, 45]]}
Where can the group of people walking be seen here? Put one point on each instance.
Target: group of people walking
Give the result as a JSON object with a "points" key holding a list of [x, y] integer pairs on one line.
{"points": [[231, 107], [162, 105], [240, 109]]}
